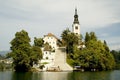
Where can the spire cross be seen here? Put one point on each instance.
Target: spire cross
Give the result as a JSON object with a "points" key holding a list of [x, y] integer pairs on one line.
{"points": [[75, 11]]}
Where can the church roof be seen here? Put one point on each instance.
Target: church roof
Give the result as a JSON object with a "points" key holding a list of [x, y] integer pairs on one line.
{"points": [[50, 35]]}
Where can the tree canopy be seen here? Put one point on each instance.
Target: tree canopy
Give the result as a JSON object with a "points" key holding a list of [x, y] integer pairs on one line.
{"points": [[70, 40], [23, 53], [116, 55], [96, 55], [38, 42]]}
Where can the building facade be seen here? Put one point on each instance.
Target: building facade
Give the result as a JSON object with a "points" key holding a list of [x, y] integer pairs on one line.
{"points": [[51, 40]]}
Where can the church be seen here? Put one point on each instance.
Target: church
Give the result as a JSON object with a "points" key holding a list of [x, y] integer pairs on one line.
{"points": [[52, 40], [76, 24], [50, 57]]}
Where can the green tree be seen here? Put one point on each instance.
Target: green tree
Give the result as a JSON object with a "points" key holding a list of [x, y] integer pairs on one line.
{"points": [[116, 55], [23, 53], [90, 36], [93, 56], [70, 39], [73, 40], [21, 49], [87, 37], [93, 36], [64, 36], [106, 46], [36, 55], [38, 42]]}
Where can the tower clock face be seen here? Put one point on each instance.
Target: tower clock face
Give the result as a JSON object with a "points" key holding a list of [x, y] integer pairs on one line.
{"points": [[76, 27]]}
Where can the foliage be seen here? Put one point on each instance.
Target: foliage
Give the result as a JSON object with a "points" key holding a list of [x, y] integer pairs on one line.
{"points": [[106, 47], [95, 55], [38, 42], [36, 55], [4, 65], [90, 36], [23, 53], [45, 63], [116, 55], [2, 57], [70, 40], [64, 36], [87, 37]]}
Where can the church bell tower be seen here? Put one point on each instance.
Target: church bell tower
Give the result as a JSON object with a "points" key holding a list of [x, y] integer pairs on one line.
{"points": [[76, 25]]}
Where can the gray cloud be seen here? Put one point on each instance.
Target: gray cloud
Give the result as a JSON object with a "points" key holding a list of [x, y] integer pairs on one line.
{"points": [[39, 17]]}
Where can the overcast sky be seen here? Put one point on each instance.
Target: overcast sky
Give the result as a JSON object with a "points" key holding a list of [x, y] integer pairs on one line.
{"points": [[39, 17]]}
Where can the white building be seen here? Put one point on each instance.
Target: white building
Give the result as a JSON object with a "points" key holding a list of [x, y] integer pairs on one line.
{"points": [[48, 55], [48, 59], [51, 40]]}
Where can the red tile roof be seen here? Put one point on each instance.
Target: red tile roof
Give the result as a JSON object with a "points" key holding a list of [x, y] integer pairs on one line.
{"points": [[51, 35]]}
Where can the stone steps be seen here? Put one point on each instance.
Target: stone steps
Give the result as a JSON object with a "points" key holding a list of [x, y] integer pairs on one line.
{"points": [[60, 60]]}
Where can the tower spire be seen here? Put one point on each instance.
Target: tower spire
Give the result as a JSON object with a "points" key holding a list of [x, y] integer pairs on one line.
{"points": [[76, 17], [75, 11]]}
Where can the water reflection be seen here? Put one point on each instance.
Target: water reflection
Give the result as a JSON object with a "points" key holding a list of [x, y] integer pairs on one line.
{"points": [[51, 76], [22, 76], [104, 75], [90, 76], [72, 76]]}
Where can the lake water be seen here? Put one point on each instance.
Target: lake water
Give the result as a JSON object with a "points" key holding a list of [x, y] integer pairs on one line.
{"points": [[103, 75]]}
